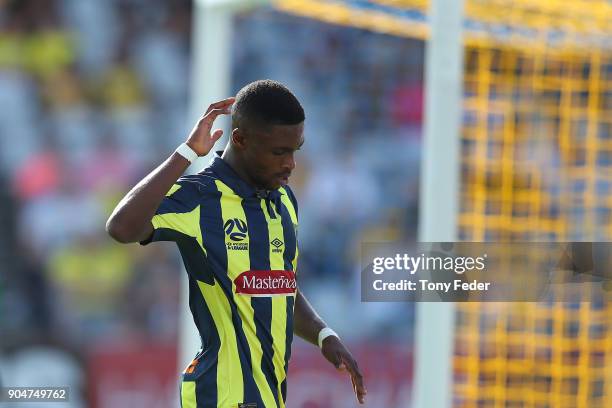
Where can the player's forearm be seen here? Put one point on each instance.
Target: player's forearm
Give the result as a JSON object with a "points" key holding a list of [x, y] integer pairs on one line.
{"points": [[306, 322], [131, 218]]}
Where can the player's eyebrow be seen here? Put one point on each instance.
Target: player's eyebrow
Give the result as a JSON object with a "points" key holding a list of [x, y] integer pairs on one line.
{"points": [[290, 149]]}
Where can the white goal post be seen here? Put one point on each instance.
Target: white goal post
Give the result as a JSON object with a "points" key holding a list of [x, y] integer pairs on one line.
{"points": [[439, 197]]}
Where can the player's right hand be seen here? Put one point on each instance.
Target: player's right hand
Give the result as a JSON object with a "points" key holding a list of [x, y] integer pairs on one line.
{"points": [[200, 139]]}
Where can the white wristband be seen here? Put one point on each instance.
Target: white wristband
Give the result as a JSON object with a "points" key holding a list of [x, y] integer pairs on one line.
{"points": [[325, 333], [187, 152]]}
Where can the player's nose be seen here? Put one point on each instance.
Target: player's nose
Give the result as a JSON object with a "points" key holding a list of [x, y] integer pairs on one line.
{"points": [[289, 163]]}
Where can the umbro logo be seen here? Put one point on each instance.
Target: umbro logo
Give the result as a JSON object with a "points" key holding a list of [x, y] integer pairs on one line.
{"points": [[277, 244]]}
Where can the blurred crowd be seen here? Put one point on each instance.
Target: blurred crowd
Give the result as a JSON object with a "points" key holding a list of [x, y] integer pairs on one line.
{"points": [[93, 94]]}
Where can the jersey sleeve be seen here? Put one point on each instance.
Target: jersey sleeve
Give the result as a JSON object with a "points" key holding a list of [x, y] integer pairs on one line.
{"points": [[178, 215]]}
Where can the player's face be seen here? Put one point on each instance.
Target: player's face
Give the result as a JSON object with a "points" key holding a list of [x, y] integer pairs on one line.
{"points": [[269, 155]]}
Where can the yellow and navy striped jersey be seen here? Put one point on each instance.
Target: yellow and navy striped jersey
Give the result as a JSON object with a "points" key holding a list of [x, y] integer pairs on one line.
{"points": [[239, 247]]}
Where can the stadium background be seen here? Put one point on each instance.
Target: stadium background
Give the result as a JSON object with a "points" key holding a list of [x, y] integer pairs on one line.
{"points": [[94, 93]]}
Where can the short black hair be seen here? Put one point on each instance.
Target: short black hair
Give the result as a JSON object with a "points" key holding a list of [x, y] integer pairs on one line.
{"points": [[266, 103]]}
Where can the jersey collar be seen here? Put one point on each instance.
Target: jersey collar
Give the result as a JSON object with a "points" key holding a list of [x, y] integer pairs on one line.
{"points": [[229, 177]]}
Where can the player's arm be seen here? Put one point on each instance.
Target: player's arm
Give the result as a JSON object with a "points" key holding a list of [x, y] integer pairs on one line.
{"points": [[307, 324], [130, 221]]}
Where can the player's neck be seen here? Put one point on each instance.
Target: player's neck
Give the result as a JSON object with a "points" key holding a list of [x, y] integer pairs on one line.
{"points": [[230, 157]]}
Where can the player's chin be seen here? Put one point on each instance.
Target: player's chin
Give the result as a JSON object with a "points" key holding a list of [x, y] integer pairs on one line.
{"points": [[274, 186]]}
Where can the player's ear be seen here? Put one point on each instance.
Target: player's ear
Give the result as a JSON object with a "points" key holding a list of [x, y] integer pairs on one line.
{"points": [[238, 138]]}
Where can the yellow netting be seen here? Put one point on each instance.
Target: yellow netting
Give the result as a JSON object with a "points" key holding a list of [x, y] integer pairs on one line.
{"points": [[537, 165], [537, 157]]}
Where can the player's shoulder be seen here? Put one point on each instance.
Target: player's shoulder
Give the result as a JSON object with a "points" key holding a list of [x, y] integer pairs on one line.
{"points": [[286, 189], [195, 184], [289, 192]]}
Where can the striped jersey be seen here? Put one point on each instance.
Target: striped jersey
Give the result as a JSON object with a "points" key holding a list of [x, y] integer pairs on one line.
{"points": [[239, 247]]}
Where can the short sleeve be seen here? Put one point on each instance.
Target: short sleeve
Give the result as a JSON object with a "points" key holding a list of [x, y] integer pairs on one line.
{"points": [[178, 215]]}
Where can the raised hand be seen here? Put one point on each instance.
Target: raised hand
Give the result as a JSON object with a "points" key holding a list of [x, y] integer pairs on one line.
{"points": [[200, 139]]}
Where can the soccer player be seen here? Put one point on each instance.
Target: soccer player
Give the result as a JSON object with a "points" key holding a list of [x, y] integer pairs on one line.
{"points": [[235, 224]]}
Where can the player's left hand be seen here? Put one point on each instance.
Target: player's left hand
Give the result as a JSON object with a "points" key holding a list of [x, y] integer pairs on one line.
{"points": [[336, 353]]}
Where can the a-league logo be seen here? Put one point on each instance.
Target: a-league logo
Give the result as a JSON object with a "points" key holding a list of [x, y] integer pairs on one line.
{"points": [[236, 229]]}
